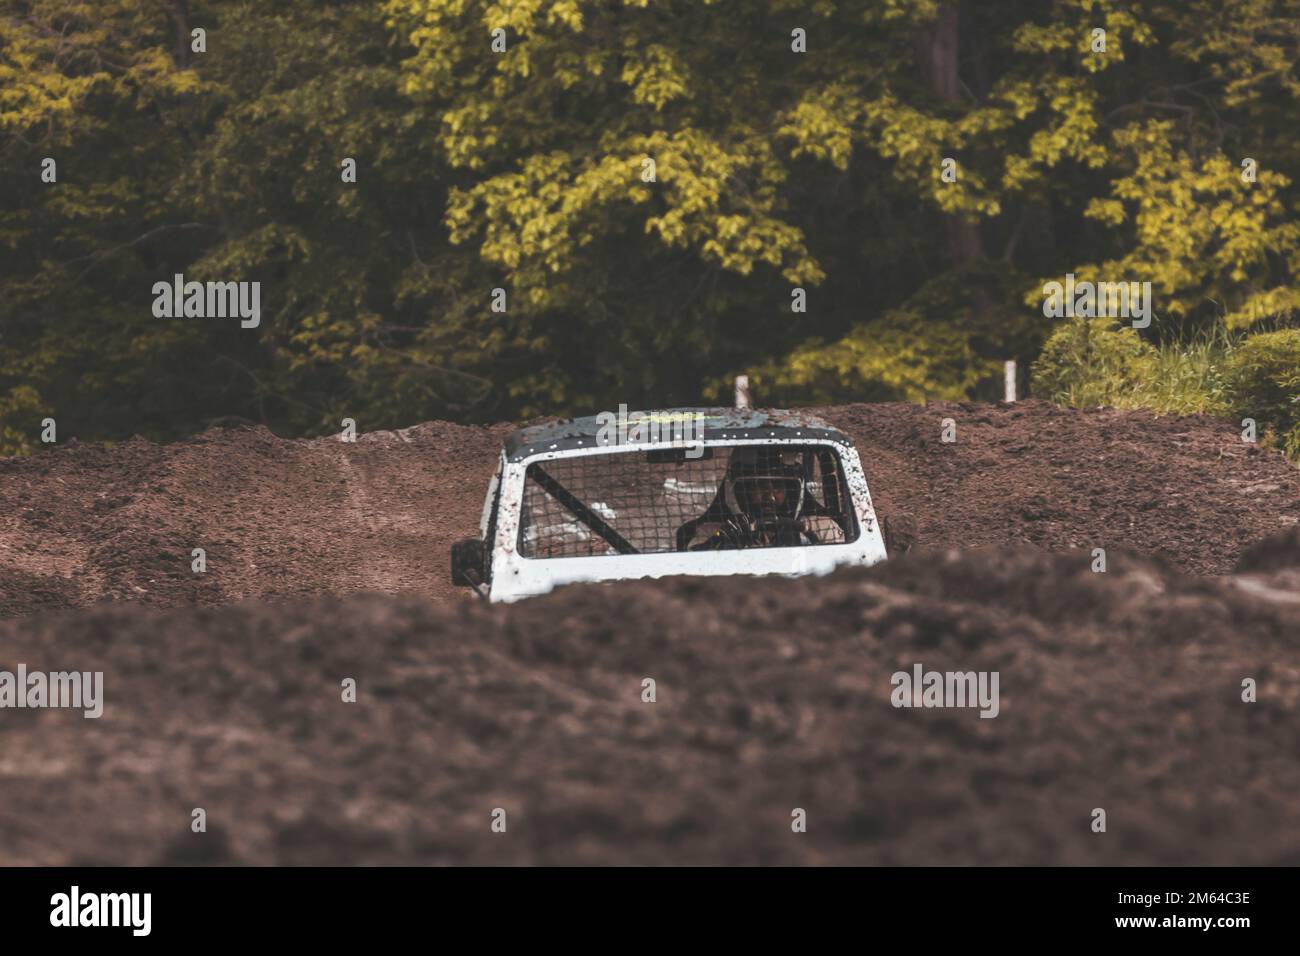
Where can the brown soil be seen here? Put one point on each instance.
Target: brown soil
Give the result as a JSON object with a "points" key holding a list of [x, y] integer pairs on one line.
{"points": [[277, 518], [1119, 690], [285, 518]]}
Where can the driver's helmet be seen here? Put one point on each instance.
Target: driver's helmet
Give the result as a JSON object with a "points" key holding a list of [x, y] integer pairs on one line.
{"points": [[764, 484]]}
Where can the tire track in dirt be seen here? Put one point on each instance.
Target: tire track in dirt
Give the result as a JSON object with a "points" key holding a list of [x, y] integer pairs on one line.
{"points": [[391, 545], [409, 495], [277, 518]]}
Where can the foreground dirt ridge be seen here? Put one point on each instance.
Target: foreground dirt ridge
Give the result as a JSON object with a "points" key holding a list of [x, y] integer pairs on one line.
{"points": [[1120, 691], [281, 518]]}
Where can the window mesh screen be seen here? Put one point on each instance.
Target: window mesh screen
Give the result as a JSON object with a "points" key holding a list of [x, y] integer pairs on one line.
{"points": [[652, 501]]}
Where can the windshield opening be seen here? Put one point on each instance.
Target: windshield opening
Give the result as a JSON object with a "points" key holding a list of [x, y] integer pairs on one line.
{"points": [[645, 502]]}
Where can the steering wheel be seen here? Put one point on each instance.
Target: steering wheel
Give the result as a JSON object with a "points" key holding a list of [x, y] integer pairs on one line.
{"points": [[779, 531]]}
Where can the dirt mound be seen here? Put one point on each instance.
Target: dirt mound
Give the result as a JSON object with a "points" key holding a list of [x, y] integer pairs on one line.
{"points": [[1033, 473], [276, 518], [1273, 553], [1120, 691], [280, 518]]}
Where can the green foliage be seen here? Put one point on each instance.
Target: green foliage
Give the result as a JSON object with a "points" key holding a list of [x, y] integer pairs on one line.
{"points": [[1093, 362], [1190, 377], [1090, 362], [18, 407], [1263, 380], [900, 358], [1201, 234], [524, 170]]}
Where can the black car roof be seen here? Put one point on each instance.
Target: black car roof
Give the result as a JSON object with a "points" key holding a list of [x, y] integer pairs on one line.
{"points": [[719, 424]]}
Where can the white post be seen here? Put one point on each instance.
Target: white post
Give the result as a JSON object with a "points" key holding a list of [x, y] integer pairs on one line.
{"points": [[1011, 380], [742, 391]]}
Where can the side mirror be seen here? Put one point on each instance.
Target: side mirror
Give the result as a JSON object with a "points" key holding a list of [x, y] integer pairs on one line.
{"points": [[899, 532], [467, 563]]}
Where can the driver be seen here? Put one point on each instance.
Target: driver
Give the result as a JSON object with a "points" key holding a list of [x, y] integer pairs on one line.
{"points": [[760, 505]]}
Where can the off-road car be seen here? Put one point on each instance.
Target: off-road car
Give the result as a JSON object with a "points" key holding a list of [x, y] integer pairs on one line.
{"points": [[679, 491]]}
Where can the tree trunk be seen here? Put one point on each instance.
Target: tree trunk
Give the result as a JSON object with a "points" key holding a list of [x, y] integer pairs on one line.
{"points": [[938, 49], [181, 25]]}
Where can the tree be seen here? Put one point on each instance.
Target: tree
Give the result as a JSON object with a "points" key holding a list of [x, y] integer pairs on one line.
{"points": [[646, 180]]}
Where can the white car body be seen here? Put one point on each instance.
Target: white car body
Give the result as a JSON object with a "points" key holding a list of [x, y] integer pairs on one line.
{"points": [[513, 575]]}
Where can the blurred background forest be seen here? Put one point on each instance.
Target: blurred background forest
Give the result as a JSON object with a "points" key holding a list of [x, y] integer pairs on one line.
{"points": [[523, 170]]}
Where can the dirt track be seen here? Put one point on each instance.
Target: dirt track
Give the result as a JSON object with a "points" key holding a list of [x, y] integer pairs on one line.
{"points": [[282, 518], [277, 518], [1119, 690]]}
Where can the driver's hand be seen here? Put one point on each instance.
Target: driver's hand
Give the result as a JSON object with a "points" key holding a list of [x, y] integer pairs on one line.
{"points": [[712, 538], [724, 537]]}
